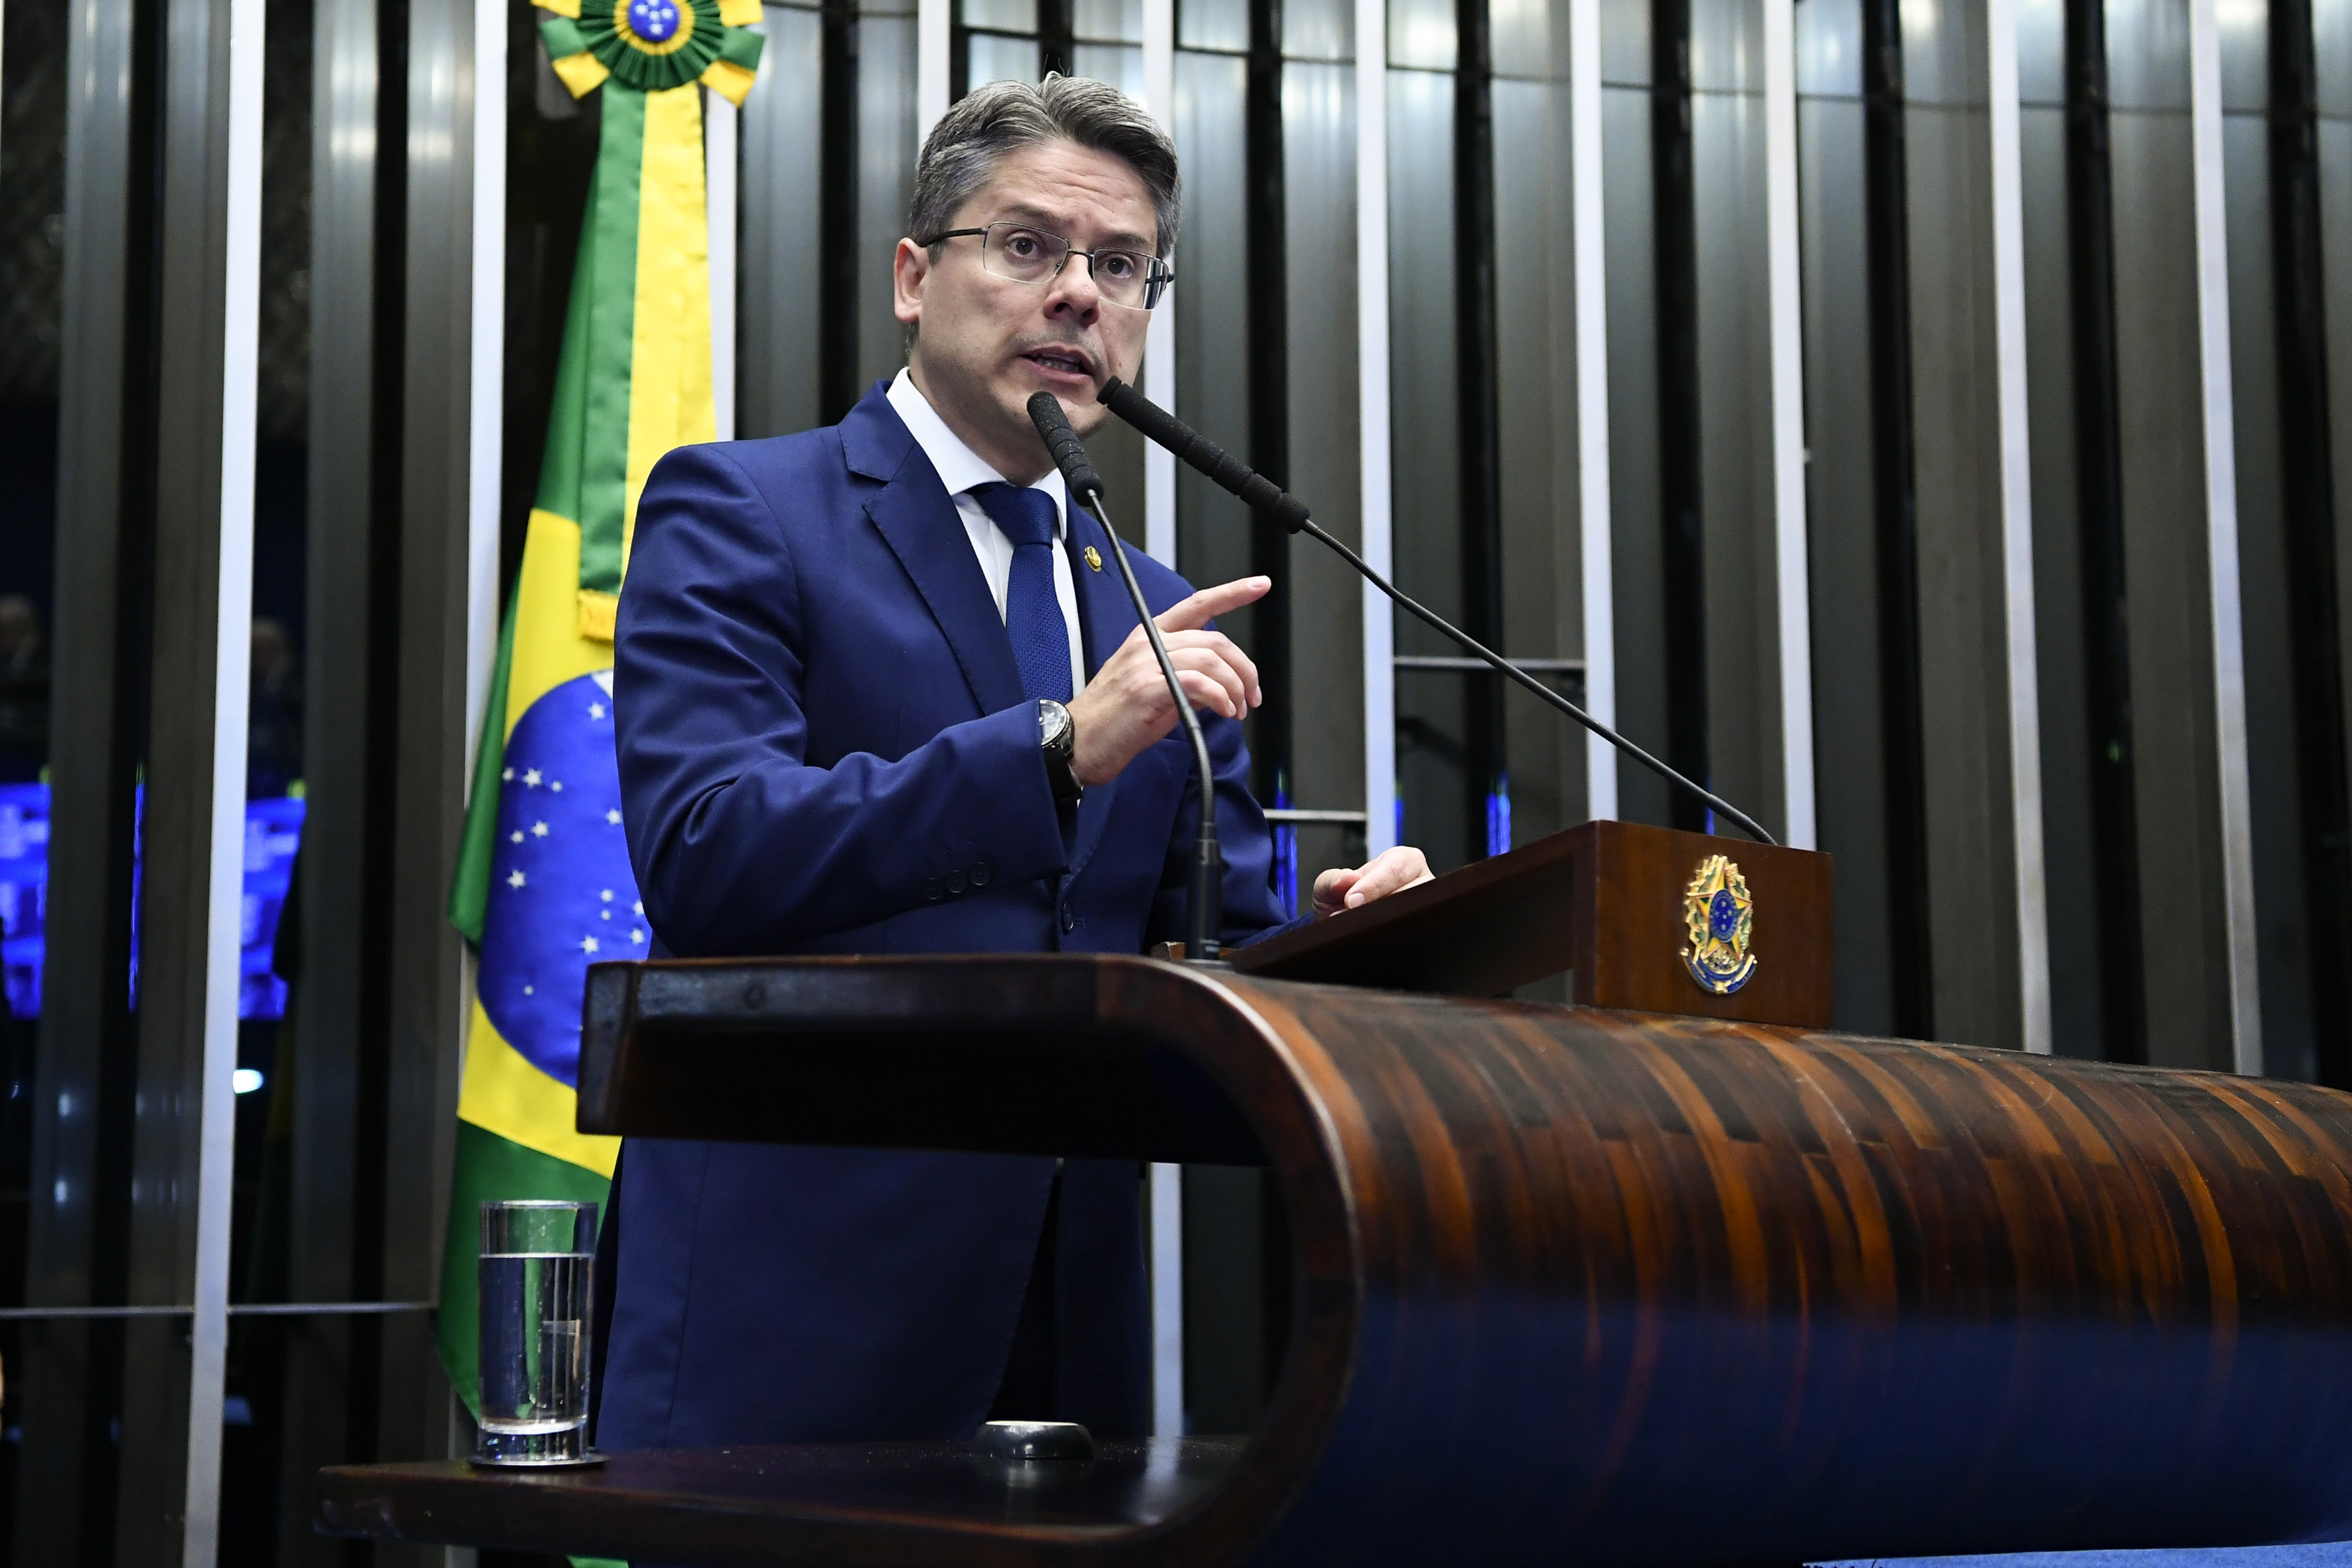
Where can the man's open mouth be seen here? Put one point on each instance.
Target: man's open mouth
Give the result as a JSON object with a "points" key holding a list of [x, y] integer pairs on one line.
{"points": [[1064, 361]]}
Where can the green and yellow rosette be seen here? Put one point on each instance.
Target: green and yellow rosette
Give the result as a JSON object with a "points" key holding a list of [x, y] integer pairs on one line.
{"points": [[653, 45]]}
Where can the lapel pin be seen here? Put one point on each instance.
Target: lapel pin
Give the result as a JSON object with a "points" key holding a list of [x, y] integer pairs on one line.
{"points": [[1094, 559]]}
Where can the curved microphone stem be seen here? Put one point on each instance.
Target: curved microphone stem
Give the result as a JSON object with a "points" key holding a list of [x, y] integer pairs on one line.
{"points": [[1205, 913], [1208, 869], [1157, 424]]}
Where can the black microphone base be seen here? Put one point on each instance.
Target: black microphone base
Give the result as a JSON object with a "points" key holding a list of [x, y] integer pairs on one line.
{"points": [[1173, 952]]}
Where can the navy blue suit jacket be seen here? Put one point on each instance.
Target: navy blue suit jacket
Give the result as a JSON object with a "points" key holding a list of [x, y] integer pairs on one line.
{"points": [[825, 748]]}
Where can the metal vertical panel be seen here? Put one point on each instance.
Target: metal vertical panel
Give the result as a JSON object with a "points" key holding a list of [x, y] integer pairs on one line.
{"points": [[2331, 59], [2331, 23], [1435, 760], [231, 661], [1593, 470], [1165, 1195], [2023, 689], [1791, 578], [934, 44], [1637, 566], [1840, 509], [886, 147], [191, 836], [1536, 375], [1212, 360], [1741, 721], [781, 230], [436, 632], [722, 137], [1679, 608], [2161, 420], [1963, 614], [2267, 462], [1160, 344], [2071, 886], [92, 753], [2275, 800], [1894, 536], [487, 342], [1164, 1201], [2235, 826], [315, 1419], [1372, 416], [1321, 316], [2296, 744]]}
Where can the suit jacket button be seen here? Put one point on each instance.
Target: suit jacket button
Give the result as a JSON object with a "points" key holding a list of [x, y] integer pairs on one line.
{"points": [[980, 873], [1069, 921], [955, 882], [932, 890]]}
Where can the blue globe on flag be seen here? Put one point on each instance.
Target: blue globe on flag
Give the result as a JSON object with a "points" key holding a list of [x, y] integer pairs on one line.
{"points": [[562, 896]]}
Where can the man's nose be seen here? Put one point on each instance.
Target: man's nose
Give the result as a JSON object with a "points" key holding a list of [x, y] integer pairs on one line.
{"points": [[1073, 292]]}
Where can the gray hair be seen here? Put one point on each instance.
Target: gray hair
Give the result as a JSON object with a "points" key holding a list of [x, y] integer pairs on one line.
{"points": [[990, 122]]}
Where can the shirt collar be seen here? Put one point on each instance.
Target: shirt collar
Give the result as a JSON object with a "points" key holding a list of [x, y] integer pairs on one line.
{"points": [[958, 467]]}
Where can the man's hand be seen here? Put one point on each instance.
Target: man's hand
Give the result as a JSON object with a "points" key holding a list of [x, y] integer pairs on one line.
{"points": [[1391, 871], [1125, 707]]}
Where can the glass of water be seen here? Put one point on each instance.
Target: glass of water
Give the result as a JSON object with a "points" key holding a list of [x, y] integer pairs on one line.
{"points": [[539, 1263]]}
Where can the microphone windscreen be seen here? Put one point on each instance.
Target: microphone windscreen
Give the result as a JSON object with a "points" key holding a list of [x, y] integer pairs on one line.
{"points": [[1062, 443], [1259, 492]]}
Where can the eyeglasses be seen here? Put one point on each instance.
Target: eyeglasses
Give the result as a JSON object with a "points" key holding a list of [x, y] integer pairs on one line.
{"points": [[1019, 253]]}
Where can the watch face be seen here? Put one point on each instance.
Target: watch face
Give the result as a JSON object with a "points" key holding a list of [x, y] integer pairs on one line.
{"points": [[1053, 721]]}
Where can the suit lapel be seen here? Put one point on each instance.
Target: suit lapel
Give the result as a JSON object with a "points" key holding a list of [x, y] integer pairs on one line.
{"points": [[1108, 616], [918, 521]]}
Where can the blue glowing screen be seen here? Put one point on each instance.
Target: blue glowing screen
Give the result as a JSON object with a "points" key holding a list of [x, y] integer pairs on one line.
{"points": [[273, 828]]}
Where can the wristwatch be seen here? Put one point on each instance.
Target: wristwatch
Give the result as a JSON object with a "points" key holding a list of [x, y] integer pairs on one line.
{"points": [[1057, 737]]}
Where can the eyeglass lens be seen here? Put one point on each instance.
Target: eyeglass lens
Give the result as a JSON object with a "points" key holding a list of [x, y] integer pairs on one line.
{"points": [[1032, 256]]}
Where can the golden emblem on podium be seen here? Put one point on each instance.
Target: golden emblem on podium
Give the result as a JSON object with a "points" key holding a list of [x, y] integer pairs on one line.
{"points": [[1721, 918]]}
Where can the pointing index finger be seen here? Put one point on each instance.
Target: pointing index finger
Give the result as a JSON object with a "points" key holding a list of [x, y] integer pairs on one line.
{"points": [[1207, 604]]}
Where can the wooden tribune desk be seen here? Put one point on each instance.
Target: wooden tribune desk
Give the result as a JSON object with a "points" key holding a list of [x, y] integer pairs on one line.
{"points": [[1570, 1284]]}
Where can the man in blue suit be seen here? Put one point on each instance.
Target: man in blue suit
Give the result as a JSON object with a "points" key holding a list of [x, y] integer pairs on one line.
{"points": [[877, 692]]}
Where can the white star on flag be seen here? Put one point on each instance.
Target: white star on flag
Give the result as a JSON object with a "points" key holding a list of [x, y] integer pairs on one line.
{"points": [[539, 830], [587, 945], [514, 879], [516, 835], [614, 815], [595, 709], [530, 777], [636, 935]]}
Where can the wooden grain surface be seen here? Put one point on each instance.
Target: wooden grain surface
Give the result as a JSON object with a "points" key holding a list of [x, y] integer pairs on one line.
{"points": [[1610, 1288], [1605, 900], [1631, 885], [765, 1505]]}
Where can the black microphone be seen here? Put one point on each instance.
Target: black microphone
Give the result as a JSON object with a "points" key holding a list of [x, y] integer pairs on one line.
{"points": [[1265, 496], [1206, 915]]}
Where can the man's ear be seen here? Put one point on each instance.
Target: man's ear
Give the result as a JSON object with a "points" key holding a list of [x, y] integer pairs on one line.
{"points": [[910, 268]]}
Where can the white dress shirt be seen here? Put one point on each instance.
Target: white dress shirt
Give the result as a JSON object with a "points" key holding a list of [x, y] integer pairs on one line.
{"points": [[963, 471]]}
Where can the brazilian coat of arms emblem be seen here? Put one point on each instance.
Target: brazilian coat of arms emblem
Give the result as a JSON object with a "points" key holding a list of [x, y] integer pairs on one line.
{"points": [[1720, 917]]}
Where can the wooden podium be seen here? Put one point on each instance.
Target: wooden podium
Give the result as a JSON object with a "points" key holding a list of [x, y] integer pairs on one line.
{"points": [[1571, 1284]]}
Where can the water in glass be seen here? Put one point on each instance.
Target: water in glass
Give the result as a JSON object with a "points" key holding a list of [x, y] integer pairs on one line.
{"points": [[538, 1267]]}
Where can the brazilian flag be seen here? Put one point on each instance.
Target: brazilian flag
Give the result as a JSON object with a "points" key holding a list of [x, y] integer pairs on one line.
{"points": [[543, 888]]}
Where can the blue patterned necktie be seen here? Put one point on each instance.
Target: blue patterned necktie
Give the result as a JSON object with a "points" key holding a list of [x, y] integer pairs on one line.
{"points": [[1033, 615]]}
